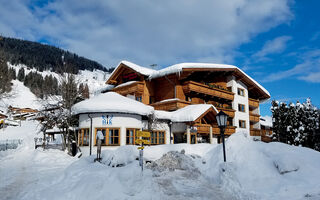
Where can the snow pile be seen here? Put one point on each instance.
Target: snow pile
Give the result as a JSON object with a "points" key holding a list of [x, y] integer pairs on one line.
{"points": [[265, 170], [174, 160], [119, 157], [111, 102]]}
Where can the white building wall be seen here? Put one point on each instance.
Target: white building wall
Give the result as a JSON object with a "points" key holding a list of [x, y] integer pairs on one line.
{"points": [[122, 121], [238, 99]]}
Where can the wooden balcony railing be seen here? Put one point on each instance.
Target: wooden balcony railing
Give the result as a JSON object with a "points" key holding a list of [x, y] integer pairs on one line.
{"points": [[266, 138], [254, 117], [253, 103], [205, 129], [135, 87], [228, 111], [191, 86], [255, 132], [170, 105]]}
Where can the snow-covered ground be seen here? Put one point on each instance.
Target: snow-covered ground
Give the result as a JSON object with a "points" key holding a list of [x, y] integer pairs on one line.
{"points": [[254, 170], [20, 96]]}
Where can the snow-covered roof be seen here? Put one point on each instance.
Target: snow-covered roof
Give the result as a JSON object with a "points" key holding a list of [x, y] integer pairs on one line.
{"points": [[111, 102], [187, 114], [178, 68], [266, 121], [141, 70], [126, 84]]}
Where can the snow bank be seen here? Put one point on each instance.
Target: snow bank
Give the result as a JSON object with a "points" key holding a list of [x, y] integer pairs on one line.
{"points": [[174, 160], [119, 157], [264, 170]]}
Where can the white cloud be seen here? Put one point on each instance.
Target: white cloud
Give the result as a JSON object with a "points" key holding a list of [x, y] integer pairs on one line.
{"points": [[276, 45], [308, 70], [146, 32]]}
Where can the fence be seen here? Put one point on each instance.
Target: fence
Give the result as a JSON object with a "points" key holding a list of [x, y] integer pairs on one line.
{"points": [[9, 144]]}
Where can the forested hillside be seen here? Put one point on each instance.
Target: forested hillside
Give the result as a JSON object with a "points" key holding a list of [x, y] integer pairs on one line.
{"points": [[44, 57]]}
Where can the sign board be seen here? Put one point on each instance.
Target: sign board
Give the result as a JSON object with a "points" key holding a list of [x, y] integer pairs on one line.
{"points": [[107, 119], [140, 141], [141, 148], [145, 134], [193, 129]]}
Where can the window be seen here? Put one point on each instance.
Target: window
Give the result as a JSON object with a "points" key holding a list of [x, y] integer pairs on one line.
{"points": [[114, 136], [157, 137], [241, 108], [131, 136], [84, 137], [240, 91], [242, 124], [139, 98], [103, 130], [111, 136]]}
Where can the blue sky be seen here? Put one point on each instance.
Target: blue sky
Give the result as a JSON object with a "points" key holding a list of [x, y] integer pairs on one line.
{"points": [[277, 42]]}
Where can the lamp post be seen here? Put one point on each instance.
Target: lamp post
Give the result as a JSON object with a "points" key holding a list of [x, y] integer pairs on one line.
{"points": [[222, 123]]}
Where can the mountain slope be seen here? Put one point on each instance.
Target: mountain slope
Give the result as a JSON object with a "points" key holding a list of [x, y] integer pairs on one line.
{"points": [[44, 57]]}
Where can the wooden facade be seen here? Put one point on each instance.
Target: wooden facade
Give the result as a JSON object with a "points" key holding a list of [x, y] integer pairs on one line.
{"points": [[191, 86]]}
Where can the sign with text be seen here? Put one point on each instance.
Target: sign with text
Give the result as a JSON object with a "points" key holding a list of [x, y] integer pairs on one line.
{"points": [[107, 119], [145, 134], [141, 141]]}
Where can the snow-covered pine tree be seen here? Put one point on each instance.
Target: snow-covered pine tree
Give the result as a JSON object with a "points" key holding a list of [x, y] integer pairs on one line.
{"points": [[292, 126]]}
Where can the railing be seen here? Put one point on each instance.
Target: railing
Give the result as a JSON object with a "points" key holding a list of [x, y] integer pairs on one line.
{"points": [[9, 144], [228, 111], [253, 103], [136, 87], [170, 105], [205, 129], [254, 117], [191, 86], [255, 132]]}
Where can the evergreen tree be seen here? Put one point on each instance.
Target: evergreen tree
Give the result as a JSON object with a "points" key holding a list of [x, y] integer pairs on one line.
{"points": [[21, 74], [69, 91], [86, 93], [5, 78]]}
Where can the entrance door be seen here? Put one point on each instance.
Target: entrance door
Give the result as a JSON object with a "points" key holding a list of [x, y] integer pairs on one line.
{"points": [[193, 138], [179, 138]]}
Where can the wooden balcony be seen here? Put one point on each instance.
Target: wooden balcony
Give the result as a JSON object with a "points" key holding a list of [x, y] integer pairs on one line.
{"points": [[253, 103], [255, 132], [205, 129], [254, 117], [170, 104], [228, 111], [134, 88], [191, 86], [266, 138]]}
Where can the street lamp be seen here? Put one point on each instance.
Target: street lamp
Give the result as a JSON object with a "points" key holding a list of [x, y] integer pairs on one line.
{"points": [[222, 123]]}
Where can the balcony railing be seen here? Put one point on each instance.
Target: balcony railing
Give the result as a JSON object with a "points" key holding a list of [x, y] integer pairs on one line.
{"points": [[255, 132], [228, 111], [205, 129], [135, 87], [253, 103], [191, 86], [254, 117], [170, 105]]}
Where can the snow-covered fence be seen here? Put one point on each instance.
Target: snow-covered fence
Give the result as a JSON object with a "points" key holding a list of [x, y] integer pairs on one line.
{"points": [[9, 144]]}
